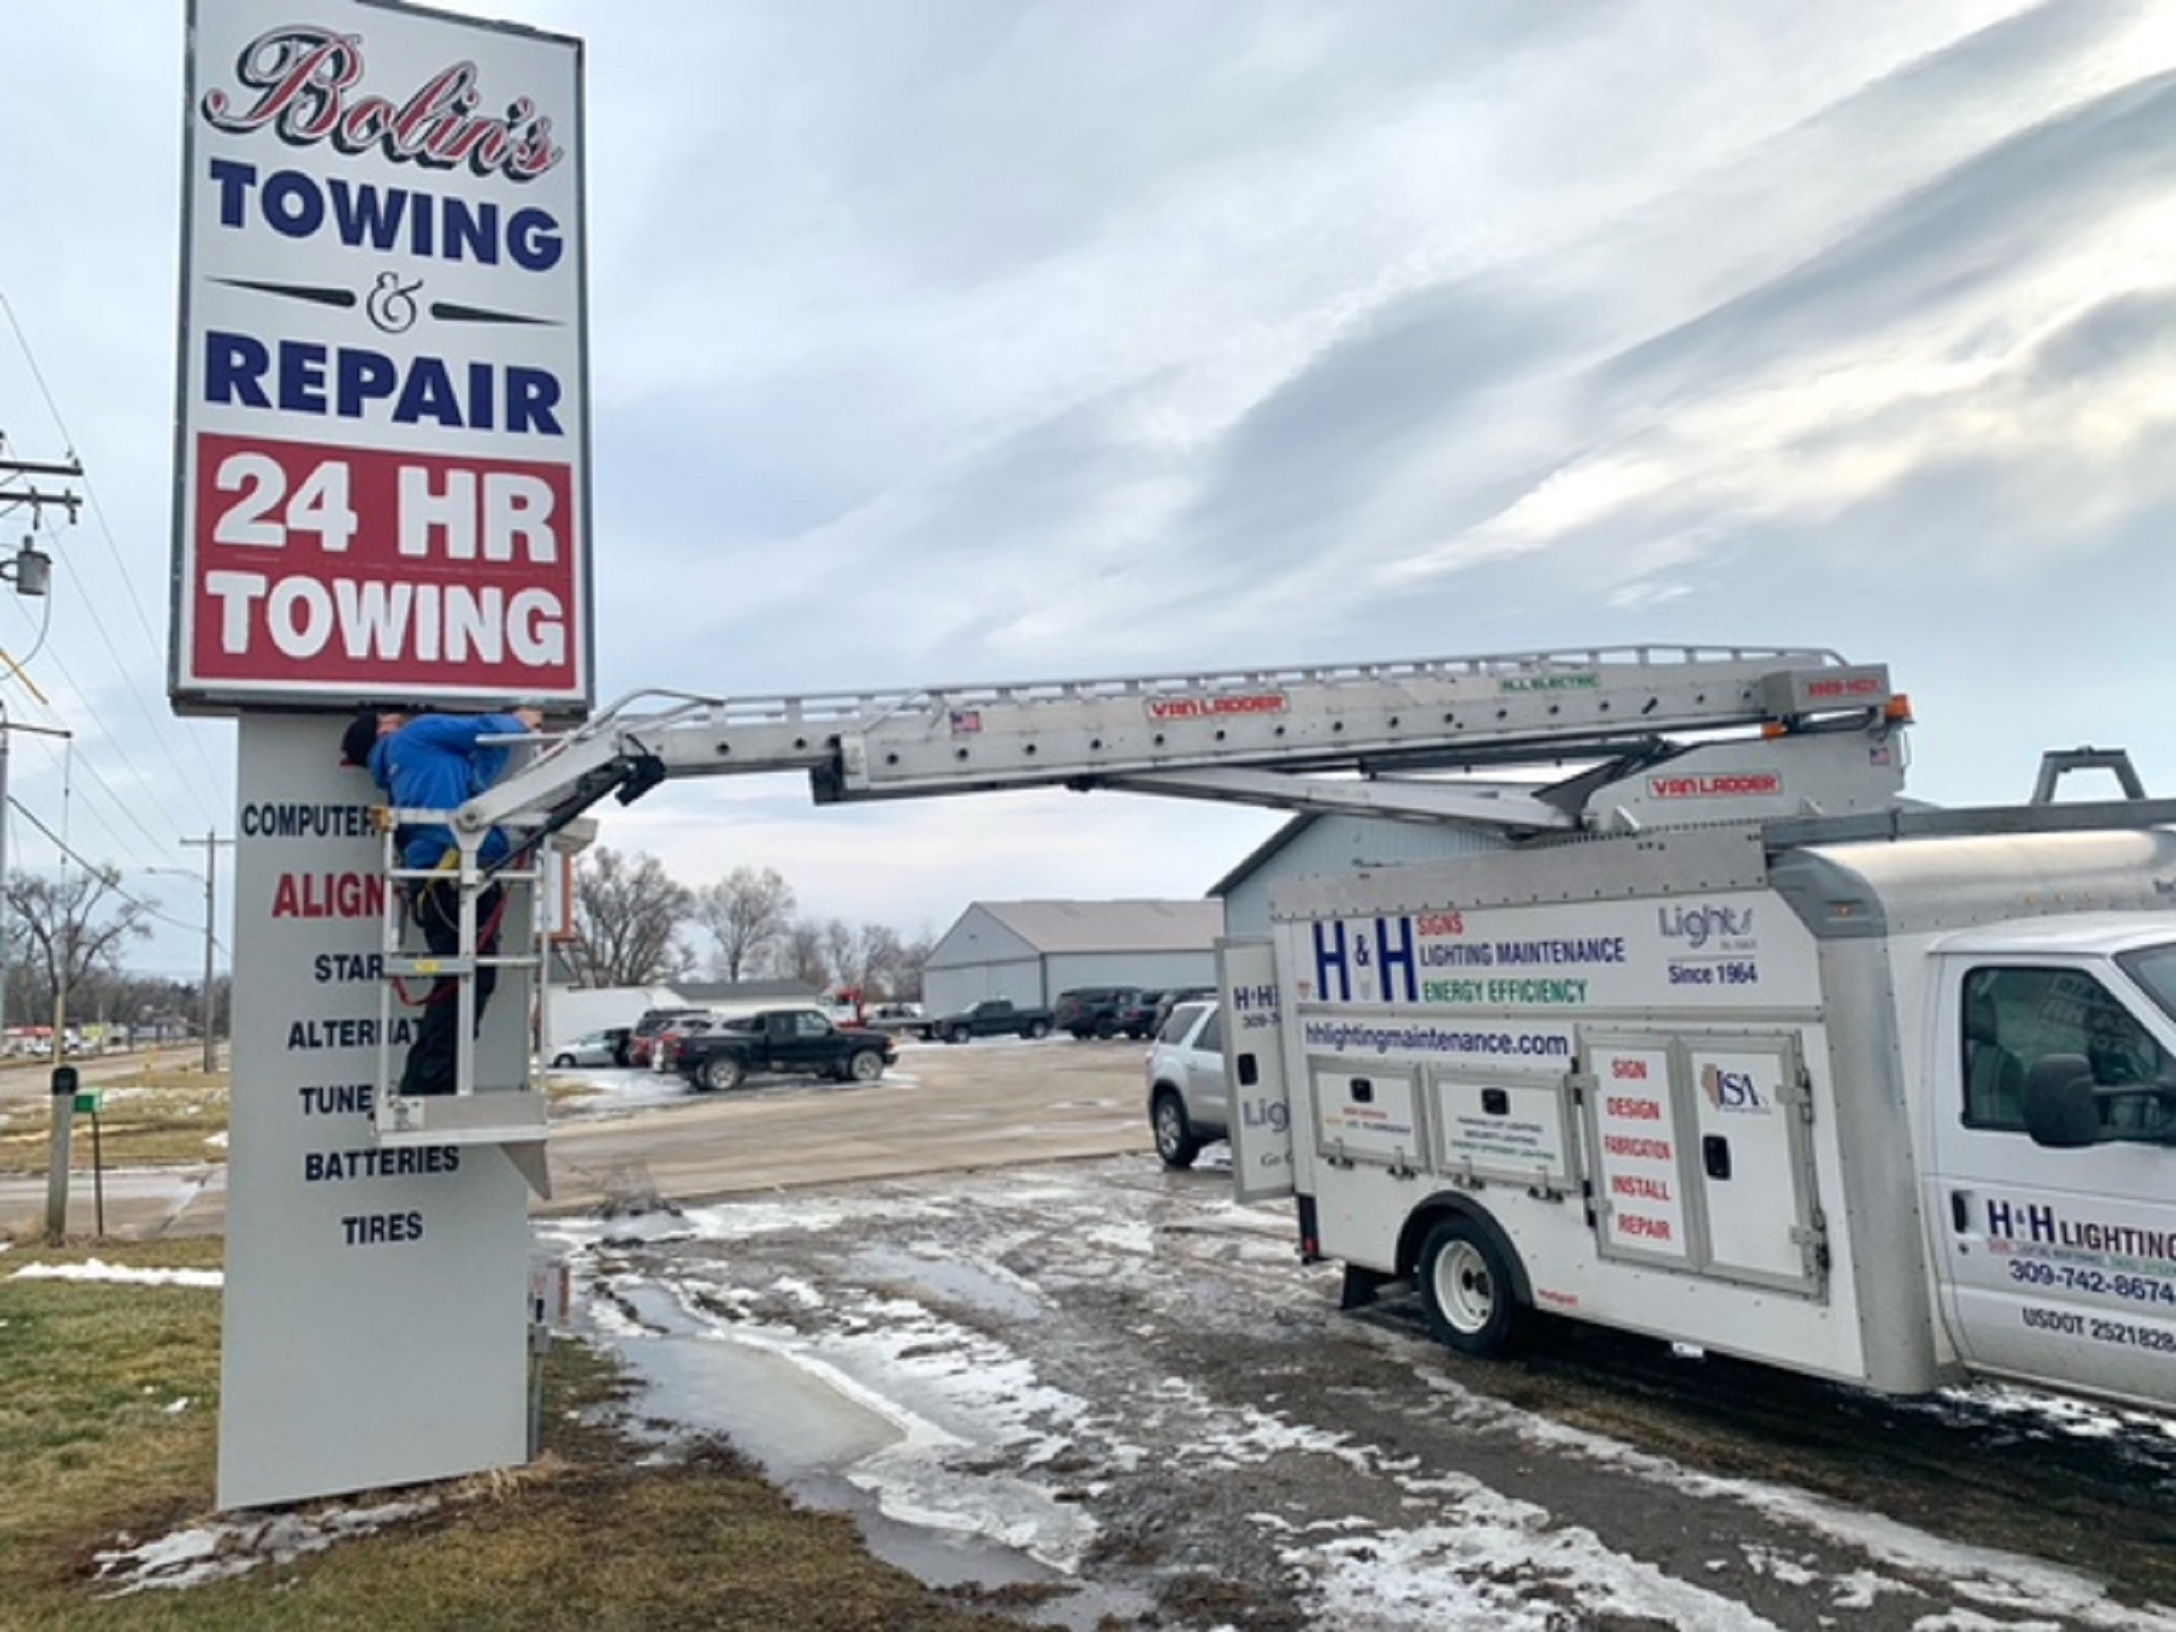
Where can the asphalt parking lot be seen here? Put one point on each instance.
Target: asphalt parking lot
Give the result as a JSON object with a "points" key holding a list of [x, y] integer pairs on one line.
{"points": [[636, 1138]]}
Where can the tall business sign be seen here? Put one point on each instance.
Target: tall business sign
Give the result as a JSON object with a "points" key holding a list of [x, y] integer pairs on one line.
{"points": [[381, 496]]}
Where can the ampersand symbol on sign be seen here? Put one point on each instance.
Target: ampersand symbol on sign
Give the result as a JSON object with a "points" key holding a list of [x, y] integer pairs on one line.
{"points": [[391, 306]]}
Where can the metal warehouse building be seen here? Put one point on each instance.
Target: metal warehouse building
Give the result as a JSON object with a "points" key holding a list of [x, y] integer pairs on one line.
{"points": [[1030, 951]]}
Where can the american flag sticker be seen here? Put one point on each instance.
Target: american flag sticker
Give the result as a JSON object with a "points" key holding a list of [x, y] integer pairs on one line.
{"points": [[965, 720]]}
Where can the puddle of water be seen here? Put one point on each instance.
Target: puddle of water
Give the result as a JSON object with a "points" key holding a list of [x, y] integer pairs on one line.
{"points": [[807, 1437], [795, 1425], [948, 1278]]}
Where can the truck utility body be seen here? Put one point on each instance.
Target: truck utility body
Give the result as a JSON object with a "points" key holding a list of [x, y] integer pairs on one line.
{"points": [[1887, 1110]]}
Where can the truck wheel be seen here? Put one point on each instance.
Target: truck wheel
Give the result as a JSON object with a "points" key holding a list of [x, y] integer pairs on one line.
{"points": [[723, 1072], [1038, 1028], [958, 1034], [866, 1066], [1176, 1145], [1466, 1287], [1105, 1031]]}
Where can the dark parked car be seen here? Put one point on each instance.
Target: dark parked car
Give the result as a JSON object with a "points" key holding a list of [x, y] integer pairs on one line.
{"points": [[1167, 1001], [1104, 1011]]}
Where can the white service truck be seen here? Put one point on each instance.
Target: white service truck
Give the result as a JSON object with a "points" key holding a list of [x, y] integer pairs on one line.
{"points": [[1887, 1100], [1731, 1045]]}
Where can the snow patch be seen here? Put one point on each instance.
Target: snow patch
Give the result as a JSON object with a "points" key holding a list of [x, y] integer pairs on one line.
{"points": [[93, 1269]]}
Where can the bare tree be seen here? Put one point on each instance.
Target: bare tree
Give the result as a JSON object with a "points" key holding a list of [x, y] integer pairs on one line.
{"points": [[629, 914], [866, 957], [746, 912], [69, 932], [799, 954], [903, 979], [842, 954]]}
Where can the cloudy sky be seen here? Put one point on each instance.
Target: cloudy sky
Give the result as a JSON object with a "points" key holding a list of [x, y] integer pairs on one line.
{"points": [[942, 342]]}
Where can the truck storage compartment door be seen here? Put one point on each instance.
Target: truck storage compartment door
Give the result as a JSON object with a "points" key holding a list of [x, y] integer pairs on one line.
{"points": [[1503, 1127], [1366, 1114], [1753, 1163], [1259, 1114], [1641, 1174]]}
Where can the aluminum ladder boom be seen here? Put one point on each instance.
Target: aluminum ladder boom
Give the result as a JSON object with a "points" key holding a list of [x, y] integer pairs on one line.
{"points": [[1248, 735]]}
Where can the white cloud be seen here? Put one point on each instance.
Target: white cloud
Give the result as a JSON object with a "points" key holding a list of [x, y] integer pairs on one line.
{"points": [[931, 348]]}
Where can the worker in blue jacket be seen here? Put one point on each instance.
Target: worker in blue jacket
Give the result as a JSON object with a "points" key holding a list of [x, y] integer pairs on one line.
{"points": [[440, 762]]}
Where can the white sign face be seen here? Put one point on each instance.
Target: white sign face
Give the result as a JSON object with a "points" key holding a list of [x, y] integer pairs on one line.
{"points": [[382, 454], [376, 1297]]}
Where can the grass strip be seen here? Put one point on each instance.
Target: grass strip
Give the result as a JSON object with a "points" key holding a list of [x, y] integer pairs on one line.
{"points": [[107, 1430]]}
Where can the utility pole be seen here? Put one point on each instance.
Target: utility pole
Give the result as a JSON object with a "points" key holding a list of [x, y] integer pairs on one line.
{"points": [[31, 572], [211, 842]]}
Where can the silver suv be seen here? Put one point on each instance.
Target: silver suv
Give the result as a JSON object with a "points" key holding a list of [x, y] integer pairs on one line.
{"points": [[1187, 1105]]}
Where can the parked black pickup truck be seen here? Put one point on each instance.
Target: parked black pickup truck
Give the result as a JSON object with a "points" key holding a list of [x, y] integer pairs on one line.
{"points": [[796, 1042], [993, 1017]]}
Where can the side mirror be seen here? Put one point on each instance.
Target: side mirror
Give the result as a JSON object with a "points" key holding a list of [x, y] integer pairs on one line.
{"points": [[2062, 1110]]}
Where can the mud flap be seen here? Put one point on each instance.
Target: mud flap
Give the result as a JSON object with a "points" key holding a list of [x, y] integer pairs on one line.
{"points": [[1361, 1285]]}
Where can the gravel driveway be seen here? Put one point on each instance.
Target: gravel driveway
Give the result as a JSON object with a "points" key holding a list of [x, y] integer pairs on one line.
{"points": [[1112, 1380]]}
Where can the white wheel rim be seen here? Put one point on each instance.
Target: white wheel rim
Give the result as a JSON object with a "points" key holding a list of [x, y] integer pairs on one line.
{"points": [[1464, 1291]]}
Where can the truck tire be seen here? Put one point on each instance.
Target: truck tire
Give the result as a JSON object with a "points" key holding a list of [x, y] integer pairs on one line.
{"points": [[865, 1066], [723, 1071], [958, 1034], [1038, 1028], [1176, 1146], [1468, 1289], [1106, 1029]]}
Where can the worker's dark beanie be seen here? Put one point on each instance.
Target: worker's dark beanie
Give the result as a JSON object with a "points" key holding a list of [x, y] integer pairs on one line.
{"points": [[359, 738]]}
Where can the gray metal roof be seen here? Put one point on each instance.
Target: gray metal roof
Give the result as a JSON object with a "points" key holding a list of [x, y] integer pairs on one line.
{"points": [[1111, 926], [745, 991]]}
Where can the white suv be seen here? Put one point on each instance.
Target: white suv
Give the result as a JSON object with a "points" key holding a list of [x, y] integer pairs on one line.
{"points": [[1186, 1097]]}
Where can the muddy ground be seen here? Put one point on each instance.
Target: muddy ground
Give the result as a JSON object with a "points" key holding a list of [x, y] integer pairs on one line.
{"points": [[1110, 1380]]}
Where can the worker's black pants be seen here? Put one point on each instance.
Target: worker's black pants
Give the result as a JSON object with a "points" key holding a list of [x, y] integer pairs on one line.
{"points": [[433, 1056]]}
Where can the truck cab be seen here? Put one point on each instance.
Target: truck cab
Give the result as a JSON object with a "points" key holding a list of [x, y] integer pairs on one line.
{"points": [[2050, 1183]]}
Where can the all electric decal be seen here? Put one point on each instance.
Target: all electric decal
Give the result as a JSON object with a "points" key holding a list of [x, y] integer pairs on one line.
{"points": [[383, 426]]}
